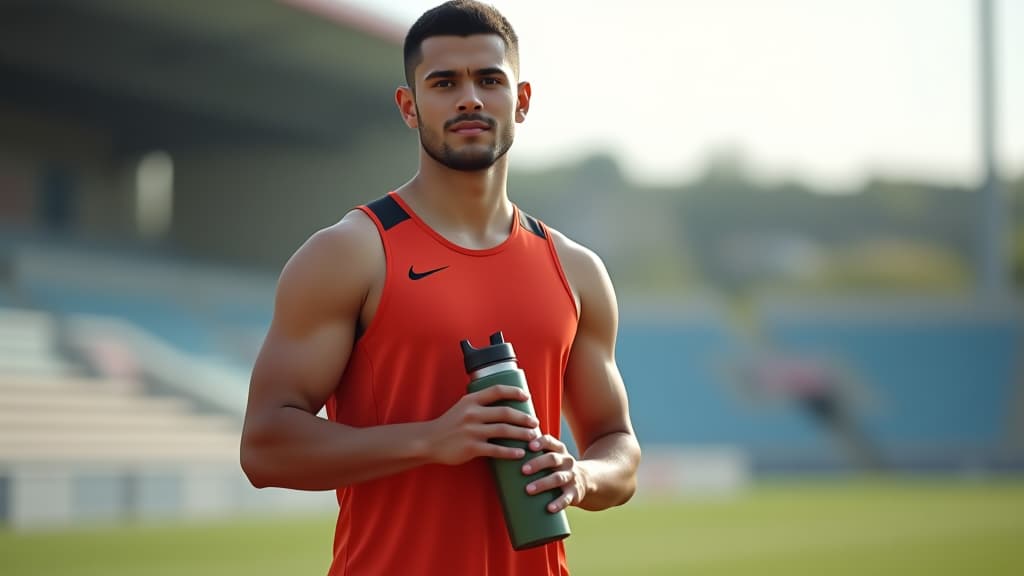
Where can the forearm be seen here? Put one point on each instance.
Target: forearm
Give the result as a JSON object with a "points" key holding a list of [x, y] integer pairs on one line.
{"points": [[608, 467], [294, 449]]}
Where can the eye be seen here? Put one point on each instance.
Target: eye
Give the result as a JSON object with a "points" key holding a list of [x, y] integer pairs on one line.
{"points": [[444, 84], [490, 81]]}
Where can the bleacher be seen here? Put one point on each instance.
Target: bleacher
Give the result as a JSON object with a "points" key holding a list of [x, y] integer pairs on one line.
{"points": [[680, 374], [928, 386], [114, 402], [944, 378], [73, 419], [60, 426]]}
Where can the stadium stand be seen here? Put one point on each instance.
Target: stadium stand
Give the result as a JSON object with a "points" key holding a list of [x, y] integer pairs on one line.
{"points": [[942, 375], [75, 447], [920, 386], [125, 346]]}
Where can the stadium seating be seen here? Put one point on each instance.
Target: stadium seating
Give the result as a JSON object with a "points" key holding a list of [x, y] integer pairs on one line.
{"points": [[76, 447], [927, 386], [941, 377], [682, 393]]}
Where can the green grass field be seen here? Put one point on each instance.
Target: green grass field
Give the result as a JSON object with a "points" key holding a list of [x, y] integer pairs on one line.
{"points": [[898, 527]]}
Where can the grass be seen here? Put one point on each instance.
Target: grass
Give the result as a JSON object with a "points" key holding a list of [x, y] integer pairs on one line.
{"points": [[902, 527]]}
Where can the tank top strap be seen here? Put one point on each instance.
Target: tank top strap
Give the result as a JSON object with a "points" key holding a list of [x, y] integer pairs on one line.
{"points": [[386, 211], [531, 224]]}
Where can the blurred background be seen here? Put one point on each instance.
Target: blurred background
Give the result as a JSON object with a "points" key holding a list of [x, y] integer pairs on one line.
{"points": [[813, 214]]}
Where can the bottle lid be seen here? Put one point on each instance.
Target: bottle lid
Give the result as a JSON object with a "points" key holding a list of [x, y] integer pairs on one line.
{"points": [[477, 358]]}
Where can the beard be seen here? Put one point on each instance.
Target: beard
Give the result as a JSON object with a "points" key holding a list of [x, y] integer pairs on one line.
{"points": [[472, 157]]}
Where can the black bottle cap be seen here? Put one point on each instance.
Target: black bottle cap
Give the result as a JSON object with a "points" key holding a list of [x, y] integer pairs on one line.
{"points": [[497, 351]]}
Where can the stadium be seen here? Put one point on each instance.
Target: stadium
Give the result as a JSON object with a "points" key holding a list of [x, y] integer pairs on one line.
{"points": [[159, 163]]}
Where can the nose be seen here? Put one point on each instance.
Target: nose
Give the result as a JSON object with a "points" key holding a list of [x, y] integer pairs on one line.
{"points": [[469, 100]]}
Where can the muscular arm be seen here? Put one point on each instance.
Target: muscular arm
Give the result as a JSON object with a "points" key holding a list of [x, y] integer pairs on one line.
{"points": [[321, 297], [596, 406]]}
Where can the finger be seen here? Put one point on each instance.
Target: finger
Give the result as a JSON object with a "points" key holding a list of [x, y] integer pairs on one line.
{"points": [[507, 431], [508, 415], [549, 443], [489, 450], [545, 461], [550, 482], [499, 392], [564, 501]]}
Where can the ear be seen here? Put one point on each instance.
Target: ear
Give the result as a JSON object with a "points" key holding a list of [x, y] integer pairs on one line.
{"points": [[406, 102], [523, 101]]}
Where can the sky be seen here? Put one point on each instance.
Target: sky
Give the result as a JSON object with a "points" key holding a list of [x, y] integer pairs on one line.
{"points": [[828, 92]]}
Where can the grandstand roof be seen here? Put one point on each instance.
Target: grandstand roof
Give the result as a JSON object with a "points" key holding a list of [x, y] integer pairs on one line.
{"points": [[188, 74]]}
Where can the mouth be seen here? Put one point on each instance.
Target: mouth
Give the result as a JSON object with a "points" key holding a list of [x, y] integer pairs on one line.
{"points": [[469, 127]]}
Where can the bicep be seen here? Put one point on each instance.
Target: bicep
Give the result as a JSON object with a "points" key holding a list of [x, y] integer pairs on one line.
{"points": [[316, 312], [595, 395], [300, 371]]}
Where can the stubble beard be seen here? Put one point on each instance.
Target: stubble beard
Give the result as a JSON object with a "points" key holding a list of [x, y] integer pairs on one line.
{"points": [[465, 160]]}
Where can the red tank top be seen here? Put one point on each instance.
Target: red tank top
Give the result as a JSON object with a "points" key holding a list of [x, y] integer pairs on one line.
{"points": [[407, 367]]}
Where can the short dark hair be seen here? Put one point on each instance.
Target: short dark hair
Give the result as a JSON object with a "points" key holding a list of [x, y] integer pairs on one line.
{"points": [[458, 18]]}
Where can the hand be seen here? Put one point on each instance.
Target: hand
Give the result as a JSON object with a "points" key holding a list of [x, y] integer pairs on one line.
{"points": [[566, 473], [463, 432]]}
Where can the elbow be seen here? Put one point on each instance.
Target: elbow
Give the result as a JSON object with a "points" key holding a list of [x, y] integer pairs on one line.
{"points": [[630, 485], [628, 491], [253, 464]]}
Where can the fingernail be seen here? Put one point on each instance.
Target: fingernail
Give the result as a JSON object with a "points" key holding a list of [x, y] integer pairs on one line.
{"points": [[553, 507], [520, 452], [531, 488], [527, 469], [534, 445]]}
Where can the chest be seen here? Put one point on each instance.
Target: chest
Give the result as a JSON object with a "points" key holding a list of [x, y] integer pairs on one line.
{"points": [[441, 299]]}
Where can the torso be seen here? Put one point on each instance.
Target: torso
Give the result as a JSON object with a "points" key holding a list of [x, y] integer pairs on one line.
{"points": [[407, 366]]}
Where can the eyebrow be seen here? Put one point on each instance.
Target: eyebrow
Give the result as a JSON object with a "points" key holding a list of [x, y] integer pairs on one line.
{"points": [[490, 72], [440, 74], [493, 71]]}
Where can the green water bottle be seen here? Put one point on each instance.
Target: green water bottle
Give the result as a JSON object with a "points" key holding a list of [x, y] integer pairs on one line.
{"points": [[527, 518]]}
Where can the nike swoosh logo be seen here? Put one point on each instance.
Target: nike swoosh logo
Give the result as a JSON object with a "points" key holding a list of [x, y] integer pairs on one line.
{"points": [[413, 275]]}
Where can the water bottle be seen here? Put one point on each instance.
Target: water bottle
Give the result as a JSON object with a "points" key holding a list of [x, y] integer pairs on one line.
{"points": [[527, 518]]}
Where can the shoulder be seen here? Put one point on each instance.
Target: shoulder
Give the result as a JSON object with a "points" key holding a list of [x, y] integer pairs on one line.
{"points": [[335, 266], [582, 265], [586, 273], [344, 247]]}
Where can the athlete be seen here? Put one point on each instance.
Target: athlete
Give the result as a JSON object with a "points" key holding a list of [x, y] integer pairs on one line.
{"points": [[368, 319]]}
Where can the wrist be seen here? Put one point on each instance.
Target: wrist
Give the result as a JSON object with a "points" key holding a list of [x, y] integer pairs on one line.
{"points": [[421, 442]]}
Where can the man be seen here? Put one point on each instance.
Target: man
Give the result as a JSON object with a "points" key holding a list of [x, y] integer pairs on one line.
{"points": [[368, 319]]}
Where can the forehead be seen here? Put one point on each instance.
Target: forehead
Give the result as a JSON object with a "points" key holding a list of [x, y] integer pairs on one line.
{"points": [[461, 52]]}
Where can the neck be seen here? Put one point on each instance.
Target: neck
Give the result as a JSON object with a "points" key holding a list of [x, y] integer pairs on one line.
{"points": [[470, 208]]}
